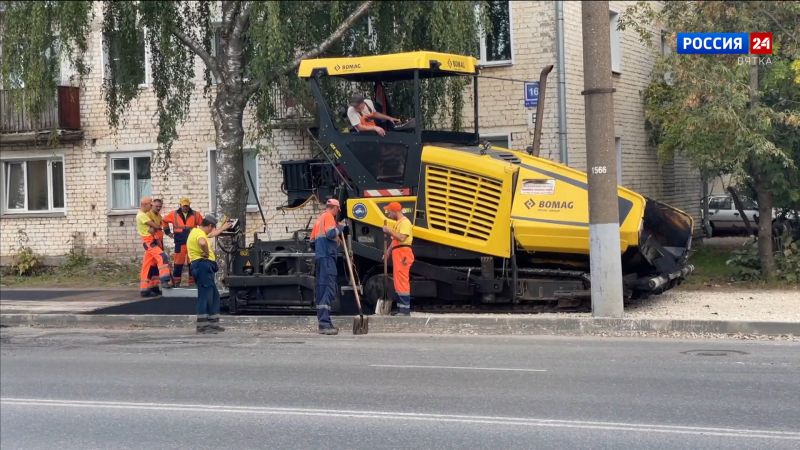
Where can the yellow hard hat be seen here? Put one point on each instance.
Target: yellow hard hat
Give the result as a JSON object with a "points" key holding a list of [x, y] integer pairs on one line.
{"points": [[185, 201]]}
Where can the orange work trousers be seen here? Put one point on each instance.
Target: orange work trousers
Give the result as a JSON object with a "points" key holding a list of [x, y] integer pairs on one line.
{"points": [[181, 259], [402, 258], [154, 256]]}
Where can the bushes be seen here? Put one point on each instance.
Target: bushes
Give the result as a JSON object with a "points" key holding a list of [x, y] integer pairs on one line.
{"points": [[24, 261], [747, 267]]}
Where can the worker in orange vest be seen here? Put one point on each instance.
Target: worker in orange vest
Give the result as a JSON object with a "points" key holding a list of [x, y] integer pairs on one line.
{"points": [[153, 254], [402, 256], [325, 241], [155, 216], [182, 220]]}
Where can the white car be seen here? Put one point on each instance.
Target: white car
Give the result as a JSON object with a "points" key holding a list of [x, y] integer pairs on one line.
{"points": [[724, 218]]}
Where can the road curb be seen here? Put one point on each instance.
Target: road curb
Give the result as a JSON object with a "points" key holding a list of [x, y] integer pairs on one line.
{"points": [[422, 323]]}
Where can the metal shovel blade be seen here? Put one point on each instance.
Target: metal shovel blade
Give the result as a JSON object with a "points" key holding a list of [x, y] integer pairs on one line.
{"points": [[360, 325], [383, 307]]}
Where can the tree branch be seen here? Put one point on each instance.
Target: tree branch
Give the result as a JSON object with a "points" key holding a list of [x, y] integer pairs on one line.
{"points": [[198, 50], [242, 20], [229, 11], [789, 34], [362, 9], [332, 39]]}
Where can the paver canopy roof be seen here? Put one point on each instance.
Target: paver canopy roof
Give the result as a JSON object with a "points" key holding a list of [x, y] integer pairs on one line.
{"points": [[391, 67]]}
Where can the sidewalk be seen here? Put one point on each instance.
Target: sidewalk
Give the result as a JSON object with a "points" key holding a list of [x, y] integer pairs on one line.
{"points": [[755, 313]]}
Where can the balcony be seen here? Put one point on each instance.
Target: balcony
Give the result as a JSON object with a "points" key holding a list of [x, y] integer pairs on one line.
{"points": [[61, 119], [289, 112]]}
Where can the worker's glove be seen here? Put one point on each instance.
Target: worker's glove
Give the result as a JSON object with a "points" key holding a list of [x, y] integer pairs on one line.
{"points": [[346, 230]]}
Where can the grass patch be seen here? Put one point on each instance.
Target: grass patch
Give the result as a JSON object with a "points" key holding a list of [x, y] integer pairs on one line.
{"points": [[711, 271], [78, 272]]}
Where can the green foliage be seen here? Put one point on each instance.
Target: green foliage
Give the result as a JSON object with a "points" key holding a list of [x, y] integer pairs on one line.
{"points": [[24, 261], [746, 265], [76, 258], [34, 36], [702, 105], [258, 52], [788, 263]]}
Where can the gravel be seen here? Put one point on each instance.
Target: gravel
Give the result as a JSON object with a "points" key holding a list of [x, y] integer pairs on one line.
{"points": [[724, 304]]}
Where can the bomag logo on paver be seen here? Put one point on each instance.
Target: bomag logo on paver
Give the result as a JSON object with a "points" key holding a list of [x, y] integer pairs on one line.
{"points": [[456, 64], [555, 204], [347, 67]]}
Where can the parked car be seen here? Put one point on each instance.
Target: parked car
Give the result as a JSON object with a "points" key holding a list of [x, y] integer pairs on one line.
{"points": [[724, 218]]}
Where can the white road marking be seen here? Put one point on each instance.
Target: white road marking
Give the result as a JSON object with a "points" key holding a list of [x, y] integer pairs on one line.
{"points": [[403, 416], [501, 369]]}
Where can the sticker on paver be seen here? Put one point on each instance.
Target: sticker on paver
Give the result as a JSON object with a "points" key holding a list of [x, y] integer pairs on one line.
{"points": [[539, 187]]}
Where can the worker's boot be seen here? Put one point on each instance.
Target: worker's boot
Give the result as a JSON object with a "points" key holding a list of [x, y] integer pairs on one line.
{"points": [[213, 324], [202, 326], [333, 331]]}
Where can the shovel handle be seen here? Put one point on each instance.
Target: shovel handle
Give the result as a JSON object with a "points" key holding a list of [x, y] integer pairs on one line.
{"points": [[352, 278]]}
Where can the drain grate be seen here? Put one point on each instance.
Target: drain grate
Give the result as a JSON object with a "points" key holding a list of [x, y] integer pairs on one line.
{"points": [[713, 352]]}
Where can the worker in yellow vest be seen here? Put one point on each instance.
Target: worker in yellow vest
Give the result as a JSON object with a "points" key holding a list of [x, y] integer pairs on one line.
{"points": [[203, 265]]}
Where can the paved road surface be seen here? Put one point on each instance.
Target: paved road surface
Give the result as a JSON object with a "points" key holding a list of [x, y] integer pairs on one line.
{"points": [[169, 389]]}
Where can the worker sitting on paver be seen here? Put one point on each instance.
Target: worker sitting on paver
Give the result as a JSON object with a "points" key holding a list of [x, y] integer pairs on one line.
{"points": [[402, 256], [362, 115]]}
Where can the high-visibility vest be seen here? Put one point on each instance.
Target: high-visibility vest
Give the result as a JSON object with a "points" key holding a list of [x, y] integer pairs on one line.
{"points": [[181, 225]]}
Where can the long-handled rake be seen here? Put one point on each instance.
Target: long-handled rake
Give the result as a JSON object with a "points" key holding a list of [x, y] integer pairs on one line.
{"points": [[360, 322]]}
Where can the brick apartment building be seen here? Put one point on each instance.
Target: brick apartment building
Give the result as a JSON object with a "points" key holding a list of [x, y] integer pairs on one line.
{"points": [[83, 192]]}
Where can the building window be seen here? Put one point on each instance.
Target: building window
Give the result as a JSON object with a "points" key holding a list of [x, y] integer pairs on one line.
{"points": [[130, 180], [35, 185], [496, 46], [128, 67], [250, 165], [616, 51], [618, 147], [498, 140]]}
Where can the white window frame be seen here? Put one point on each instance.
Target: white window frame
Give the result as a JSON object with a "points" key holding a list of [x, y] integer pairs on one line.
{"points": [[130, 156], [212, 176], [482, 53], [148, 70], [5, 180], [618, 151], [489, 136], [616, 45]]}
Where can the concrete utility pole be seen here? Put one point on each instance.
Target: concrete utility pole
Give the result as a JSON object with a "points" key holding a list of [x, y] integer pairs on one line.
{"points": [[601, 162]]}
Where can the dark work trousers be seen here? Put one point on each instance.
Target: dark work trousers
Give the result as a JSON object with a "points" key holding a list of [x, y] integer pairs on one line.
{"points": [[207, 294], [325, 290]]}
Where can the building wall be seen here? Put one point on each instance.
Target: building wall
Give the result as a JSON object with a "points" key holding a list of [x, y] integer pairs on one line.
{"points": [[90, 224], [88, 221]]}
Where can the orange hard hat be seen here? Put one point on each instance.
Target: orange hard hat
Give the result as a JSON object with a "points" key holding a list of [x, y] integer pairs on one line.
{"points": [[332, 202], [394, 207]]}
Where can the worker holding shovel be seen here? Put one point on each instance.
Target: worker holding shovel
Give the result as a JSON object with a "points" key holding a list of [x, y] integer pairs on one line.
{"points": [[325, 241], [402, 256]]}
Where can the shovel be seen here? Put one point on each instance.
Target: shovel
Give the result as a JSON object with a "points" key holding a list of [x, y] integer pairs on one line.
{"points": [[384, 305], [360, 323]]}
